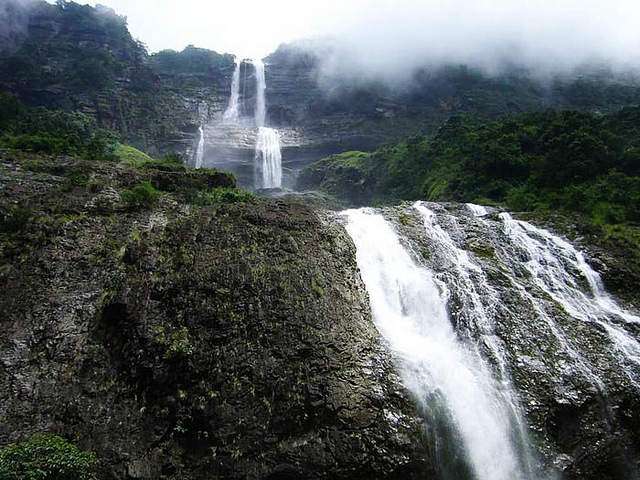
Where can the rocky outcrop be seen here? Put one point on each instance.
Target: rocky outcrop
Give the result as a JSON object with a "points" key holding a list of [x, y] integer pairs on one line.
{"points": [[576, 376], [184, 341]]}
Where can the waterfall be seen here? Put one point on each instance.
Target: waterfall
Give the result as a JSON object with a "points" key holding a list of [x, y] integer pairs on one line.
{"points": [[550, 260], [269, 158], [232, 113], [200, 149], [562, 272], [477, 210], [409, 307], [468, 280], [261, 86]]}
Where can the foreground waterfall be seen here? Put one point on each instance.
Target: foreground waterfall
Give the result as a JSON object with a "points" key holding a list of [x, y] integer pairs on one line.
{"points": [[410, 309], [495, 321], [200, 149], [551, 262], [232, 113]]}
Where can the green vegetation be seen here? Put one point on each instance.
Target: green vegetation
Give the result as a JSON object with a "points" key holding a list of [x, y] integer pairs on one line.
{"points": [[132, 156], [46, 457], [53, 132], [220, 195], [73, 57], [582, 166], [192, 68], [567, 161], [140, 197], [176, 342]]}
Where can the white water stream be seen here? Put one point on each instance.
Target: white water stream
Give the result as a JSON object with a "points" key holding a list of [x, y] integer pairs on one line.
{"points": [[232, 113], [409, 308], [261, 86], [200, 149], [268, 156], [562, 272]]}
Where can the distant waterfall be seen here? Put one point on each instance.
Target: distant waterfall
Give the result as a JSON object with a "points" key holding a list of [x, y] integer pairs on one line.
{"points": [[232, 113], [410, 309], [268, 156], [200, 149], [261, 86]]}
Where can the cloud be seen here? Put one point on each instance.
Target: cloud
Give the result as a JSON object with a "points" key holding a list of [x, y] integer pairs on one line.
{"points": [[389, 40]]}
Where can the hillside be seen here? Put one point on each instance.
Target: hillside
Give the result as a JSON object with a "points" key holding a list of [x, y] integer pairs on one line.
{"points": [[182, 329], [582, 169], [79, 58]]}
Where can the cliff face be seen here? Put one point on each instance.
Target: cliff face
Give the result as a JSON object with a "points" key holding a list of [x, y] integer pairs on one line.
{"points": [[323, 114], [231, 340]]}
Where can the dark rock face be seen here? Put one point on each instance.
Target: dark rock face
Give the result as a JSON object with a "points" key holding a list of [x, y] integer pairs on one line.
{"points": [[192, 342]]}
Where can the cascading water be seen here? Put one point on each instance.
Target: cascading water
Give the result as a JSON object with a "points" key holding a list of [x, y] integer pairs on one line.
{"points": [[232, 113], [261, 87], [200, 149], [551, 261], [410, 309], [562, 272], [268, 156]]}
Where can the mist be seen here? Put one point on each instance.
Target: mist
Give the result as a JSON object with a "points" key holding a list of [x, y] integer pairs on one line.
{"points": [[388, 41], [13, 23]]}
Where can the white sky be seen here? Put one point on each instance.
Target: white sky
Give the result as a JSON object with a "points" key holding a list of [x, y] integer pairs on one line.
{"points": [[390, 28]]}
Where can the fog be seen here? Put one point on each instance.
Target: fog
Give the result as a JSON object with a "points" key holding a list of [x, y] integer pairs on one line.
{"points": [[389, 40], [13, 15]]}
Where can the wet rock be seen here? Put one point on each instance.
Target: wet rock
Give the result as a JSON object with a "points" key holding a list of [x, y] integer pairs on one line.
{"points": [[232, 341]]}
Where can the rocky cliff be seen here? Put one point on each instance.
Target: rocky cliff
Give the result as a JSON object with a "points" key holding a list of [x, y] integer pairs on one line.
{"points": [[76, 57], [177, 340]]}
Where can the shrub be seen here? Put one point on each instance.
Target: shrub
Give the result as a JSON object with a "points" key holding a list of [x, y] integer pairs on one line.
{"points": [[46, 457], [142, 196], [14, 220]]}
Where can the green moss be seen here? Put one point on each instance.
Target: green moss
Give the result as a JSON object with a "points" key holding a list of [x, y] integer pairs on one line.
{"points": [[405, 220], [132, 156], [316, 287], [487, 252], [176, 342]]}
